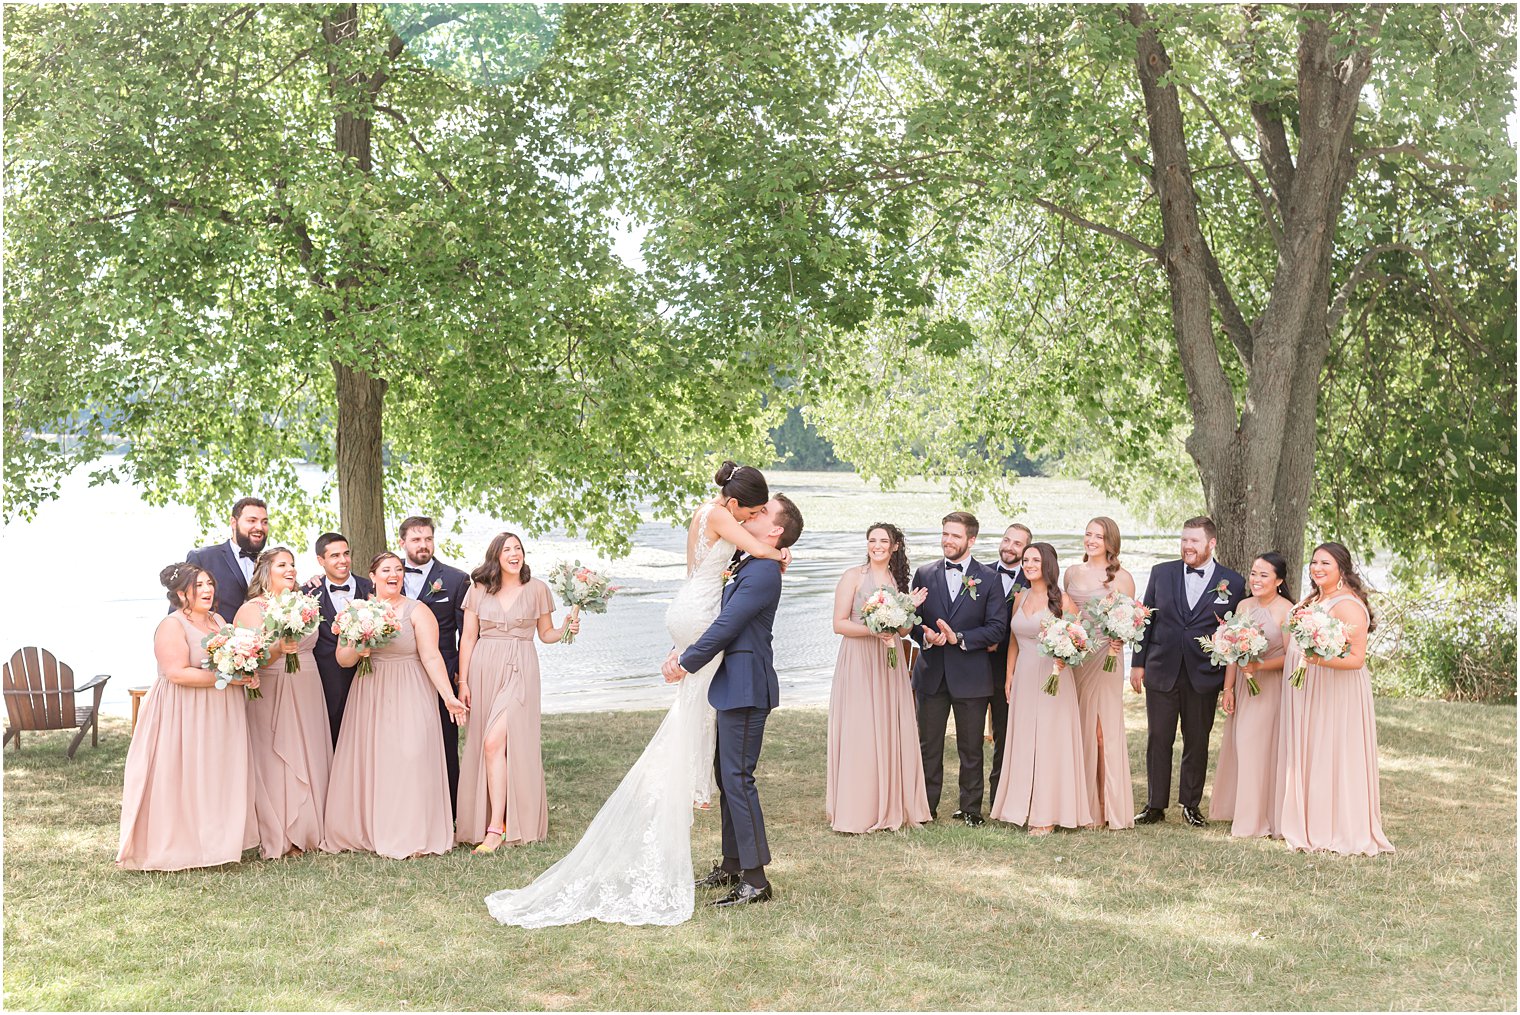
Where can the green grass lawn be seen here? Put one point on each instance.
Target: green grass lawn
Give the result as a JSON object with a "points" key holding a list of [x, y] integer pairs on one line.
{"points": [[939, 918]]}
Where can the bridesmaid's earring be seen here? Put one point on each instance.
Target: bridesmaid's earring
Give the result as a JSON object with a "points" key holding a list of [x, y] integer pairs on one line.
{"points": [[1340, 584]]}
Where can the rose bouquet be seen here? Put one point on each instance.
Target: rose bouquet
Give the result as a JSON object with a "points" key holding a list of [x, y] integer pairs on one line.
{"points": [[366, 624], [886, 610], [1117, 615], [1239, 640], [1065, 640], [581, 588], [291, 616], [233, 653], [1317, 634]]}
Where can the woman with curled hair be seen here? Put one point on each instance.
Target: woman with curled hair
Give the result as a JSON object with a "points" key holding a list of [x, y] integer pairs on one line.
{"points": [[288, 726], [875, 775], [187, 791], [1044, 782], [502, 798], [1100, 692], [1327, 736]]}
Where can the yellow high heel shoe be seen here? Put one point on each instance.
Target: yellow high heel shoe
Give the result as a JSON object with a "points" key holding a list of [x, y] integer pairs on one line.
{"points": [[481, 849]]}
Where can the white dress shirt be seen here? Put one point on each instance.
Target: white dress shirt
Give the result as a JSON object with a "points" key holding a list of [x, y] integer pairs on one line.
{"points": [[1009, 580], [955, 580], [413, 584], [1194, 585], [243, 562], [340, 600]]}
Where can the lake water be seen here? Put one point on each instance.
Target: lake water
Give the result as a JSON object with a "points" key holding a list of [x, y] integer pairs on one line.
{"points": [[85, 580]]}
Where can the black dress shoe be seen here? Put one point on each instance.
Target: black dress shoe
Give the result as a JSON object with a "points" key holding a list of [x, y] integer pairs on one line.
{"points": [[958, 816], [1150, 816], [743, 894], [1193, 816], [716, 878], [973, 820]]}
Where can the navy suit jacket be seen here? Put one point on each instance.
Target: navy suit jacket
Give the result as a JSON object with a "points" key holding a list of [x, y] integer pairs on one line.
{"points": [[325, 651], [231, 587], [447, 604], [1170, 647], [999, 652], [982, 623], [746, 677]]}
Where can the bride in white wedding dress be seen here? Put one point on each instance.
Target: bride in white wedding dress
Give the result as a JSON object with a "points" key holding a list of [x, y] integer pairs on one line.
{"points": [[633, 864]]}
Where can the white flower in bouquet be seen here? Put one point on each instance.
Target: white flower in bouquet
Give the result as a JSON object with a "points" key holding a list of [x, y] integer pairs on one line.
{"points": [[366, 624], [291, 616], [1317, 634], [235, 653], [1066, 641], [1121, 617], [886, 610]]}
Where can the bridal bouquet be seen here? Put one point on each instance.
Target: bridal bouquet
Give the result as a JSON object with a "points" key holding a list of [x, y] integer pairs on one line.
{"points": [[291, 616], [1318, 634], [366, 623], [581, 588], [1117, 615], [233, 653], [1238, 640], [1065, 640], [886, 610]]}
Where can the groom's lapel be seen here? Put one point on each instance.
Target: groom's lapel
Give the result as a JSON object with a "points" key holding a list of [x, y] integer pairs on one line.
{"points": [[961, 595]]}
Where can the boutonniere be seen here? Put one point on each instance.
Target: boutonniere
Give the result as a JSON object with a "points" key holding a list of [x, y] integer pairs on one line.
{"points": [[1222, 591], [728, 575], [436, 587], [969, 584]]}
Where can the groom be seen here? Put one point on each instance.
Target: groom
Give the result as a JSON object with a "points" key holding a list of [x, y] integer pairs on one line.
{"points": [[743, 690]]}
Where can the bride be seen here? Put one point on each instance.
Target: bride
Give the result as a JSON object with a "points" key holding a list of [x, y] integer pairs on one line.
{"points": [[633, 864]]}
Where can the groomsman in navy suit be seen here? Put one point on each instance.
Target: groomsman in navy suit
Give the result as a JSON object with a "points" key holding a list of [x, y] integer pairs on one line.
{"points": [[1191, 597], [231, 563], [964, 615], [1010, 569], [335, 588], [441, 589]]}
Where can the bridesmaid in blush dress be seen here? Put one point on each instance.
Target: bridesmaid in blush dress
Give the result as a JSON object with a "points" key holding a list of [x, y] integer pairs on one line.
{"points": [[502, 798], [389, 792], [1044, 782], [187, 791], [1328, 736], [1100, 693], [875, 774], [288, 726], [1247, 769]]}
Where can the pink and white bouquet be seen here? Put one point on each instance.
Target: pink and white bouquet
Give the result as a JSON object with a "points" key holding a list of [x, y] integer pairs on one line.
{"points": [[291, 616], [1066, 641], [581, 588], [1317, 634], [366, 624], [1239, 640], [233, 653], [1119, 616], [886, 610]]}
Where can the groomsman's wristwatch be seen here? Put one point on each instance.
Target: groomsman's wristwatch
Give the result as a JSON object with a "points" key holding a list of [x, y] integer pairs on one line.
{"points": [[960, 641]]}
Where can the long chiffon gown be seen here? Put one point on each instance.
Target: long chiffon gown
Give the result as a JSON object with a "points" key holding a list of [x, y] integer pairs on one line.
{"points": [[875, 777], [504, 680], [1100, 704], [389, 792], [1043, 781], [292, 754], [1328, 752], [187, 791], [1247, 768]]}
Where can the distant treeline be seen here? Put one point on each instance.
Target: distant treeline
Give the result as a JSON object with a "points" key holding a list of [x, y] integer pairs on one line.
{"points": [[800, 446]]}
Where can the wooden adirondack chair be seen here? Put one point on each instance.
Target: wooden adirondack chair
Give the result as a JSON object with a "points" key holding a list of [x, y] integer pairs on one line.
{"points": [[39, 695]]}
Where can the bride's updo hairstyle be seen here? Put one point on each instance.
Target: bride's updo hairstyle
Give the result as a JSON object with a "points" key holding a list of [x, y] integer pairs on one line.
{"points": [[744, 483], [179, 580]]}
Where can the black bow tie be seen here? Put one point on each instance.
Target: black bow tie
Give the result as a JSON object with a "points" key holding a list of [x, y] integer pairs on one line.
{"points": [[735, 558], [337, 588], [951, 566], [252, 555], [1195, 570], [1004, 570], [418, 570]]}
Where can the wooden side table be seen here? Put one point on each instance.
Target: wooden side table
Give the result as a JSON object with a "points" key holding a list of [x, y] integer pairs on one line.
{"points": [[137, 694]]}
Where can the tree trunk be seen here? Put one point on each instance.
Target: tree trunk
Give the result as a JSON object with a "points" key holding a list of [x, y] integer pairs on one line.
{"points": [[361, 397]]}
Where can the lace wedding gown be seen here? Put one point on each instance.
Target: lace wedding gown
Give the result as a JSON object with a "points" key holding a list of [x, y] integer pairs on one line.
{"points": [[633, 864]]}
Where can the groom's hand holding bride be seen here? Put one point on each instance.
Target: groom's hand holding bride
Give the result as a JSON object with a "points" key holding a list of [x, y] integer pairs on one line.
{"points": [[672, 668]]}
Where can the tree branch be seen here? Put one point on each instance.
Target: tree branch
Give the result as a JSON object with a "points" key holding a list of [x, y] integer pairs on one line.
{"points": [[417, 144], [1268, 210], [400, 39], [1098, 227], [1419, 154], [1235, 324], [1276, 155], [1359, 273]]}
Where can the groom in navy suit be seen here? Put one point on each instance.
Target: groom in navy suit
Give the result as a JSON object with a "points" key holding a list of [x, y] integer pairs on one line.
{"points": [[965, 614], [1190, 597], [743, 690], [231, 563]]}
